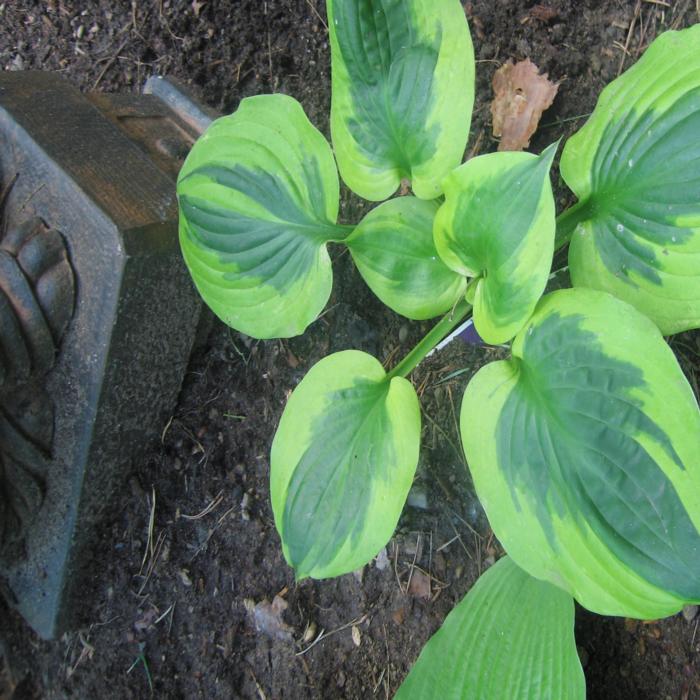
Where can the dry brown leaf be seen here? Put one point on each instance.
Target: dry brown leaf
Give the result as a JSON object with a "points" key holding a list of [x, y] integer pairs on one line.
{"points": [[419, 587], [267, 617], [521, 95], [543, 13]]}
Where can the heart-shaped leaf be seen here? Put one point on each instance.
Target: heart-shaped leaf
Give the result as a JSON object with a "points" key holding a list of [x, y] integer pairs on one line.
{"points": [[511, 637], [394, 251], [342, 463], [258, 202], [593, 478], [497, 226], [403, 89], [635, 167]]}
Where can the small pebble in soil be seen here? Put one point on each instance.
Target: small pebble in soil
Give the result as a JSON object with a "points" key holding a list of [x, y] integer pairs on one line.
{"points": [[417, 498], [245, 502], [382, 560], [689, 612], [403, 333]]}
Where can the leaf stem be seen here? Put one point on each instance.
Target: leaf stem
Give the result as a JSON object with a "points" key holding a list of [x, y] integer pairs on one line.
{"points": [[343, 232], [569, 219], [441, 329]]}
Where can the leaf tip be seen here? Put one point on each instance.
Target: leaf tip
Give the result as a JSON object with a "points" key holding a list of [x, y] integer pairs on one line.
{"points": [[547, 156]]}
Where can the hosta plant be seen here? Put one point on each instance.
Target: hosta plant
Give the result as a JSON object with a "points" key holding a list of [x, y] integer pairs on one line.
{"points": [[584, 446]]}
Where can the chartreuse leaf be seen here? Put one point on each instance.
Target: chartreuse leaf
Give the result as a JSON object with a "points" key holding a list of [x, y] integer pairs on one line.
{"points": [[497, 226], [394, 251], [402, 92], [511, 637], [342, 463], [635, 167], [593, 479], [258, 202]]}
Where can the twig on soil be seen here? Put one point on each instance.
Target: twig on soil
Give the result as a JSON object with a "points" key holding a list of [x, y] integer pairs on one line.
{"points": [[456, 422], [466, 524], [625, 48], [430, 556], [219, 523], [390, 357], [379, 682], [86, 653], [164, 20], [269, 54], [213, 505], [396, 567], [152, 562], [110, 62], [172, 605], [477, 542], [151, 522], [413, 564], [678, 18], [165, 430], [321, 20], [559, 122], [261, 693], [477, 144], [421, 388], [447, 544], [461, 541], [442, 432], [387, 687]]}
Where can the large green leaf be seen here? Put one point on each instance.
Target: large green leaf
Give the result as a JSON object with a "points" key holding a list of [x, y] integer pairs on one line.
{"points": [[635, 167], [342, 463], [591, 475], [394, 251], [258, 202], [403, 89], [497, 226], [511, 638]]}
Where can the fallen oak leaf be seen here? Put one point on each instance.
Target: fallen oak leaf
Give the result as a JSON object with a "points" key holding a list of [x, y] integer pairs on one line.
{"points": [[521, 95]]}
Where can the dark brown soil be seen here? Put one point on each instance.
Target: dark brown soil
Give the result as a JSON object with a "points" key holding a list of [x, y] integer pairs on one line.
{"points": [[178, 625]]}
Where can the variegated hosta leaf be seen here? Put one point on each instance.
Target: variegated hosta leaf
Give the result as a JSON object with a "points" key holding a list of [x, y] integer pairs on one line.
{"points": [[403, 89], [394, 251], [511, 638], [258, 202], [342, 463], [592, 477], [635, 167], [497, 226]]}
